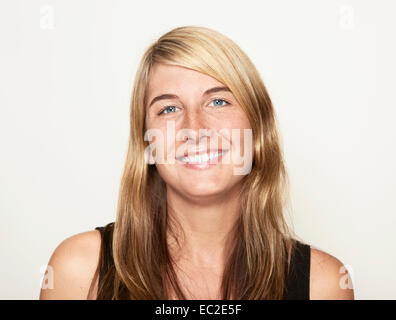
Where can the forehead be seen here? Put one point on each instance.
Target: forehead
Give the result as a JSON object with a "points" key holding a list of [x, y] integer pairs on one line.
{"points": [[165, 77]]}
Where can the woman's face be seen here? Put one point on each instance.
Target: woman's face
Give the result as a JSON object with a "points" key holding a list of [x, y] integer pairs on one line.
{"points": [[180, 98]]}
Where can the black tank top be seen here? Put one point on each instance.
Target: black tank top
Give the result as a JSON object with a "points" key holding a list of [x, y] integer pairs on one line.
{"points": [[297, 285]]}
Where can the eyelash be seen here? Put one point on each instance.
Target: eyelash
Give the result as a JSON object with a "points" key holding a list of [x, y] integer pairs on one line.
{"points": [[163, 109]]}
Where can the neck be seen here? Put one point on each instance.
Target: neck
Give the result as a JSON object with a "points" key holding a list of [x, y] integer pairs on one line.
{"points": [[206, 225]]}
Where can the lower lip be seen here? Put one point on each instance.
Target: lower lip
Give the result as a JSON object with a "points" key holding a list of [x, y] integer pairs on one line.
{"points": [[202, 165]]}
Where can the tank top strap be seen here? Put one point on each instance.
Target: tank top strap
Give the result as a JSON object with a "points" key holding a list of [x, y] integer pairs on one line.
{"points": [[106, 253], [299, 274]]}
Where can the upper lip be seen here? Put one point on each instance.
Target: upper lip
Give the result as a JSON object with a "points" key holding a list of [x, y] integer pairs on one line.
{"points": [[200, 152]]}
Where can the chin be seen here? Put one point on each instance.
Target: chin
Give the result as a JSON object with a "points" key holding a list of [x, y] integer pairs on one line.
{"points": [[202, 189]]}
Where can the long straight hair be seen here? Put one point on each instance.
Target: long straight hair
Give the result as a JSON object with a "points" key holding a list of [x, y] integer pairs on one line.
{"points": [[262, 241]]}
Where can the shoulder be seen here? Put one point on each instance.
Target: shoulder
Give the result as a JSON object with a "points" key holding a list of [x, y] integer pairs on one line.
{"points": [[72, 266], [329, 279]]}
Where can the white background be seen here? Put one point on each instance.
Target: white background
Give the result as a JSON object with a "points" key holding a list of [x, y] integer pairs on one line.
{"points": [[66, 73]]}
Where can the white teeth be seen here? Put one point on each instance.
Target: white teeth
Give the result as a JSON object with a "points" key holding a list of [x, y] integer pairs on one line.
{"points": [[201, 158]]}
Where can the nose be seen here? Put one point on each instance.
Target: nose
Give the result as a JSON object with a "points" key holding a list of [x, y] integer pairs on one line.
{"points": [[194, 124]]}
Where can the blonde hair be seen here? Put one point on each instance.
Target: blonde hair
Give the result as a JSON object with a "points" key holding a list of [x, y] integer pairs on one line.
{"points": [[261, 246]]}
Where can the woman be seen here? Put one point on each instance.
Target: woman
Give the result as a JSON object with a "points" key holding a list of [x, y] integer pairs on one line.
{"points": [[195, 220]]}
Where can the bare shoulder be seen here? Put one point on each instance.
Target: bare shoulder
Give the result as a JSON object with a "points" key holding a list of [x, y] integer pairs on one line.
{"points": [[329, 279], [71, 267]]}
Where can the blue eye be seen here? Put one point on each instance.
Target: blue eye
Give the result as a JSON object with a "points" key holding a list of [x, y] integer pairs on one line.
{"points": [[167, 108], [220, 100]]}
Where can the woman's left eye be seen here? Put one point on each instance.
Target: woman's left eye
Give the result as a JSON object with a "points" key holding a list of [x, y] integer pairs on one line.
{"points": [[221, 100]]}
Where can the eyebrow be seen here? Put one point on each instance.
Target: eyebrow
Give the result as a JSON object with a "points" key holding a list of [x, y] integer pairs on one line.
{"points": [[173, 96]]}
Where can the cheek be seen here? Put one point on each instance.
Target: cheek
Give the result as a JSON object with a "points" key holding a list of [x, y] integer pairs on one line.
{"points": [[242, 143], [170, 174], [239, 126], [234, 120], [156, 137]]}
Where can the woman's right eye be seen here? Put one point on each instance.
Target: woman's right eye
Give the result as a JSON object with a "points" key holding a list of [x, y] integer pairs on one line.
{"points": [[163, 111]]}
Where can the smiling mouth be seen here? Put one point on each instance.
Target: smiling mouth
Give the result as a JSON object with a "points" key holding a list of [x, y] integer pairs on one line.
{"points": [[201, 158]]}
